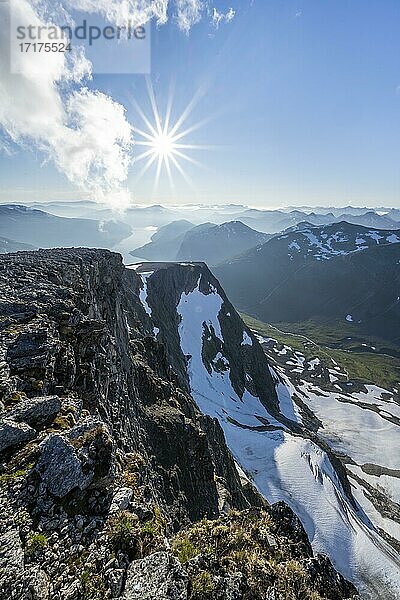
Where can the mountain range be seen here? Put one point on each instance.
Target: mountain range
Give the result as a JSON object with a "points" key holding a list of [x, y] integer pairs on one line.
{"points": [[337, 273], [210, 243], [44, 230], [7, 245], [266, 220]]}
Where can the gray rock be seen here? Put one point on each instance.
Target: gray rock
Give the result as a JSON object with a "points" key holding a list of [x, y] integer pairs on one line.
{"points": [[36, 411], [116, 581], [121, 499], [72, 592], [38, 583], [159, 575], [14, 434], [60, 468], [11, 553]]}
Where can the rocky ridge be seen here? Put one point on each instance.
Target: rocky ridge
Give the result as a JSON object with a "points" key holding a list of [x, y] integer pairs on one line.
{"points": [[108, 470]]}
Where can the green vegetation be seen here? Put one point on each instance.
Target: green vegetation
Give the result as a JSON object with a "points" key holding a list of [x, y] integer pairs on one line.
{"points": [[7, 478], [124, 533], [368, 367], [184, 549], [136, 539], [93, 586], [131, 466], [246, 542], [340, 334], [202, 586], [36, 542], [76, 561], [157, 525]]}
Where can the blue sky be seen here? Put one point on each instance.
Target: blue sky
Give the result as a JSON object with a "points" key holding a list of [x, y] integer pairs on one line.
{"points": [[303, 100]]}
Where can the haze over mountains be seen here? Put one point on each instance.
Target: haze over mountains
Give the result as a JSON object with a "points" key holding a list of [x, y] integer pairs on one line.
{"points": [[98, 225], [45, 230]]}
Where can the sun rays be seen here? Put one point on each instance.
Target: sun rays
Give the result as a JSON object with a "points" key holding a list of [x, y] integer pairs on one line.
{"points": [[163, 142]]}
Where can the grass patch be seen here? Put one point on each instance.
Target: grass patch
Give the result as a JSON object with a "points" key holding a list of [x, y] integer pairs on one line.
{"points": [[367, 367], [36, 542], [8, 478], [242, 542], [184, 549], [93, 586], [136, 539], [132, 465], [202, 586], [123, 531]]}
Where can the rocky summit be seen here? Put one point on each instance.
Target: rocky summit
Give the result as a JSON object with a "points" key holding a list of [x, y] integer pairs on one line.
{"points": [[113, 484]]}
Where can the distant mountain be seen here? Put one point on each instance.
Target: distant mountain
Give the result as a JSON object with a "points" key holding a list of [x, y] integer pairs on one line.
{"points": [[338, 272], [44, 230], [165, 243], [275, 221], [220, 242], [7, 245], [209, 243], [172, 231], [370, 219], [335, 210], [393, 213]]}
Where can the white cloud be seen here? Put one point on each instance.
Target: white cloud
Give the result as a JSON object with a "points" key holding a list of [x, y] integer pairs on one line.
{"points": [[120, 12], [46, 106], [84, 133], [188, 13], [219, 17]]}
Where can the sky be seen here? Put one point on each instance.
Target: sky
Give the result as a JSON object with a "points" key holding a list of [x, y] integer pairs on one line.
{"points": [[296, 103]]}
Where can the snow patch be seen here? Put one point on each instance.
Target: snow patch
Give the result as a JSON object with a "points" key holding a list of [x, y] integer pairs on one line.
{"points": [[247, 341]]}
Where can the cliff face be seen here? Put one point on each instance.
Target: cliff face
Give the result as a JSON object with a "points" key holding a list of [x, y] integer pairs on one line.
{"points": [[104, 454]]}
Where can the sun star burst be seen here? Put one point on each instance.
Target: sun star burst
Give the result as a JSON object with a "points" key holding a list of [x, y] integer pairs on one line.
{"points": [[162, 141]]}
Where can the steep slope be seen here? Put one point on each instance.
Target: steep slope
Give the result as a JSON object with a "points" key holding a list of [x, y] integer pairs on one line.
{"points": [[44, 230], [219, 243], [105, 455], [7, 245], [267, 433], [358, 421], [337, 273]]}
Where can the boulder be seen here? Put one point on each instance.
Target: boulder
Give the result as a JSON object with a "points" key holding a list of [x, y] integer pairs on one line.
{"points": [[11, 553], [121, 499], [59, 467], [159, 575], [37, 412], [13, 434]]}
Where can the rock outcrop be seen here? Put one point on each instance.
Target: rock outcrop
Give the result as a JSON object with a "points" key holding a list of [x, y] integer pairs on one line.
{"points": [[106, 460]]}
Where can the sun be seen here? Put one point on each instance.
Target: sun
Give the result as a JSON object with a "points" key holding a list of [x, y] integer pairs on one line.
{"points": [[163, 145], [162, 141]]}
